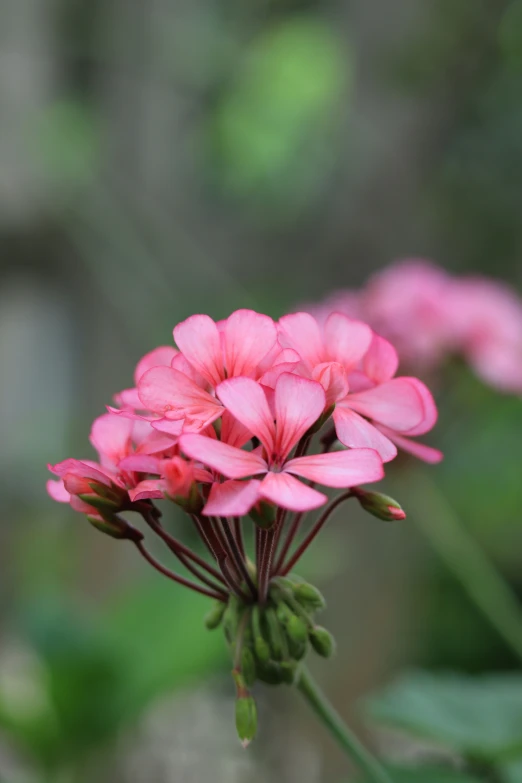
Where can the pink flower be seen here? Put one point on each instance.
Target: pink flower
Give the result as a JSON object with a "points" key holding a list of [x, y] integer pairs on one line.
{"points": [[356, 368], [87, 479], [298, 403]]}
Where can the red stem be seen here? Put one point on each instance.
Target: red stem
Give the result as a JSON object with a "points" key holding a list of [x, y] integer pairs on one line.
{"points": [[236, 555], [238, 532], [294, 528], [323, 519], [176, 577]]}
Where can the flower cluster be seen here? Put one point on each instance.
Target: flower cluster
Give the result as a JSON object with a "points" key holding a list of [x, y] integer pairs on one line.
{"points": [[430, 315], [245, 417]]}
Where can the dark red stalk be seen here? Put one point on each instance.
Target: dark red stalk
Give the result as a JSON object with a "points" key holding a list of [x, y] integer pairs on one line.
{"points": [[231, 579], [238, 532], [323, 519], [176, 577], [294, 529], [237, 557]]}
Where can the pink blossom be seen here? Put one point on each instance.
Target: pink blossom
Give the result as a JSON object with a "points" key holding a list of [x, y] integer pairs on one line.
{"points": [[83, 478], [299, 402]]}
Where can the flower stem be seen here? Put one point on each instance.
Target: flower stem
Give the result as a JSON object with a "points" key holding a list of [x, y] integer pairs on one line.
{"points": [[176, 577], [468, 562], [332, 721]]}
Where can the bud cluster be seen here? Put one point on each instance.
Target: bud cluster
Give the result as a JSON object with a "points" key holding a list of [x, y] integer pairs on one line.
{"points": [[269, 641]]}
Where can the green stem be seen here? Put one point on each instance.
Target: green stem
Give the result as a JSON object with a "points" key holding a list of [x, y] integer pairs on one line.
{"points": [[339, 730], [468, 562]]}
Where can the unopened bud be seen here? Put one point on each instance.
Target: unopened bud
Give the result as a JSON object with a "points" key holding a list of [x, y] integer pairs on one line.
{"points": [[288, 671], [275, 635], [215, 615], [115, 527], [261, 647], [322, 641], [309, 596], [270, 673], [379, 505], [246, 719], [297, 630], [231, 618], [102, 497], [264, 515], [248, 666]]}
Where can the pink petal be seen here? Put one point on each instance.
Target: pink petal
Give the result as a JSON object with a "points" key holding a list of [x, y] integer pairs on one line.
{"points": [[231, 462], [232, 498], [301, 332], [286, 491], [340, 468], [157, 442], [111, 436], [169, 427], [332, 377], [354, 431], [430, 409], [420, 450], [57, 491], [381, 361], [346, 340], [170, 393], [249, 336], [246, 401], [128, 398], [82, 470], [150, 488], [161, 356], [396, 404], [141, 463], [182, 365], [198, 339], [233, 432], [298, 404]]}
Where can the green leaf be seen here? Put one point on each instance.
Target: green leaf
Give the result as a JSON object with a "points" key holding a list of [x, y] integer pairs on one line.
{"points": [[478, 717], [160, 632], [431, 774]]}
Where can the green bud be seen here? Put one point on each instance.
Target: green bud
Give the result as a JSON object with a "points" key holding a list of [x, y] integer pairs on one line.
{"points": [[322, 641], [102, 504], [309, 596], [264, 515], [270, 673], [283, 613], [115, 527], [288, 671], [379, 505], [246, 719], [297, 630], [248, 666], [297, 649], [275, 635], [231, 618], [215, 615], [192, 504], [261, 647]]}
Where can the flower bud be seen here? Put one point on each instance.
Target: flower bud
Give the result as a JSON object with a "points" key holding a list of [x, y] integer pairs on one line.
{"points": [[263, 514], [270, 673], [115, 527], [297, 630], [215, 615], [379, 505], [309, 596], [231, 618], [180, 484], [248, 666], [322, 641], [275, 635], [246, 719], [288, 671], [261, 647]]}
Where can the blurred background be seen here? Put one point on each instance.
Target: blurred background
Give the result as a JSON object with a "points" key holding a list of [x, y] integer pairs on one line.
{"points": [[178, 156]]}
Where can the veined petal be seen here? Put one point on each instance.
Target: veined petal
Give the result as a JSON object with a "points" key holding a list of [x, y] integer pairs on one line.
{"points": [[346, 340], [149, 488], [332, 377], [381, 361], [141, 463], [430, 409], [354, 431], [396, 404], [231, 462], [233, 432], [161, 356], [83, 470], [249, 336], [301, 332], [168, 426], [128, 398], [246, 401], [419, 450], [170, 393], [232, 498], [298, 404], [288, 492], [340, 468], [111, 436], [199, 341]]}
